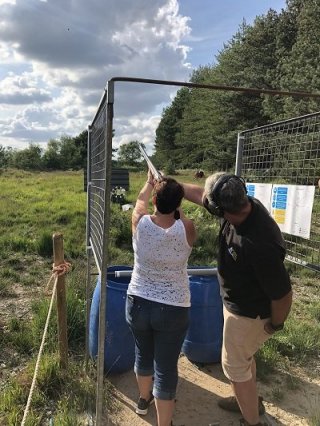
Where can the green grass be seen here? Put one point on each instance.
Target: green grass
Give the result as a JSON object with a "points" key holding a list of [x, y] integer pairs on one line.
{"points": [[314, 420], [299, 343], [35, 205], [67, 393]]}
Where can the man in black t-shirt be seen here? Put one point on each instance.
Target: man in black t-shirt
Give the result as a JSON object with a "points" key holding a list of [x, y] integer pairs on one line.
{"points": [[255, 285]]}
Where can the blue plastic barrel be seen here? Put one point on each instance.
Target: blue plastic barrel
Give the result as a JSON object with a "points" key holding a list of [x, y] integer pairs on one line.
{"points": [[203, 341], [119, 343]]}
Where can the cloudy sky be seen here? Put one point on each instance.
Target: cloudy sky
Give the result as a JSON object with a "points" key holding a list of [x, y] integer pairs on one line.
{"points": [[56, 57]]}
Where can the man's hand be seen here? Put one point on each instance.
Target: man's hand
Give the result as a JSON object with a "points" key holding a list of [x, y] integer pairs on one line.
{"points": [[268, 329], [272, 328]]}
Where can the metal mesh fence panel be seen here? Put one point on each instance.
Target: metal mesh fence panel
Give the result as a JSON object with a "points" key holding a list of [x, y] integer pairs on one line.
{"points": [[98, 224], [287, 152], [97, 183]]}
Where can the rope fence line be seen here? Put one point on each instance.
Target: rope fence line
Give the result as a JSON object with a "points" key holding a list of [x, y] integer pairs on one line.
{"points": [[57, 272]]}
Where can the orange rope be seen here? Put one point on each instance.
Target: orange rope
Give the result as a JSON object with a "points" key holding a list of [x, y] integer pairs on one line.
{"points": [[61, 269]]}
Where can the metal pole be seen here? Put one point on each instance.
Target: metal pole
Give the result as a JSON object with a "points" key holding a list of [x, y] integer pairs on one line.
{"points": [[88, 248], [191, 271], [100, 420], [239, 154], [252, 90]]}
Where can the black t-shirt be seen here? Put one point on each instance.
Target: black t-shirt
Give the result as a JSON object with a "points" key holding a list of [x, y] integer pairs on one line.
{"points": [[250, 264]]}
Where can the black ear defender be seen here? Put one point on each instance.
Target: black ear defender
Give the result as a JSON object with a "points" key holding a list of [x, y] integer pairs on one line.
{"points": [[214, 206]]}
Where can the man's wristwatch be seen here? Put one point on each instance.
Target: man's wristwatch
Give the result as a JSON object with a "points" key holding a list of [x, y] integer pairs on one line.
{"points": [[277, 327]]}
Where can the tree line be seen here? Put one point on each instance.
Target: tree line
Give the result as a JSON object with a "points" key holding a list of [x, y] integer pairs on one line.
{"points": [[279, 51], [60, 154], [66, 153]]}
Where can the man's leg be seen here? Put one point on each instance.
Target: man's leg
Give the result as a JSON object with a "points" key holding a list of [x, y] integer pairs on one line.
{"points": [[247, 397], [230, 403], [242, 337]]}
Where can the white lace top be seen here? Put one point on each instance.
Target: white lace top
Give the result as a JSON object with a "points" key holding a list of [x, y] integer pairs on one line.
{"points": [[160, 263]]}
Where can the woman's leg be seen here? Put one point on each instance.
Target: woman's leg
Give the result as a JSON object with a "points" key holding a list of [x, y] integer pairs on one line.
{"points": [[164, 411], [170, 324], [138, 319], [144, 385]]}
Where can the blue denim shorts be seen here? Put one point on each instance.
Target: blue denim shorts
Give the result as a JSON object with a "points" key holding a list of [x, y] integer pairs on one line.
{"points": [[159, 331]]}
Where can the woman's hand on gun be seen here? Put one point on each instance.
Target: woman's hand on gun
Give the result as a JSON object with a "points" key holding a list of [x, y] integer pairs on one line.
{"points": [[150, 178]]}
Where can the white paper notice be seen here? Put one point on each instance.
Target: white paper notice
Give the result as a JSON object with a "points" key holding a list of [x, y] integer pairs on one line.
{"points": [[289, 205], [262, 192], [291, 208]]}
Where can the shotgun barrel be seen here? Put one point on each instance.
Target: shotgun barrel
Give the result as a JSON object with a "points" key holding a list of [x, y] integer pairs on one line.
{"points": [[157, 175]]}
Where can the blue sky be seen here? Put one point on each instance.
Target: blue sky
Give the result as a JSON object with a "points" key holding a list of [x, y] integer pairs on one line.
{"points": [[57, 55], [215, 22]]}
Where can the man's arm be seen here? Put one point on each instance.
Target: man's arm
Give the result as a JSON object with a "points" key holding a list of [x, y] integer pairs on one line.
{"points": [[267, 263], [279, 312], [193, 193]]}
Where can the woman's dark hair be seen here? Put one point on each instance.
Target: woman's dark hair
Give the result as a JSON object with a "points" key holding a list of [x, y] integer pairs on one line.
{"points": [[169, 194]]}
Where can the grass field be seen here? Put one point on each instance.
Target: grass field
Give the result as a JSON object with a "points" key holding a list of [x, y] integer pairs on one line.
{"points": [[33, 206]]}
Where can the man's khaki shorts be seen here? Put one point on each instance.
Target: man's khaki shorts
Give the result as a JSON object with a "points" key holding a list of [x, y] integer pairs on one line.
{"points": [[242, 337]]}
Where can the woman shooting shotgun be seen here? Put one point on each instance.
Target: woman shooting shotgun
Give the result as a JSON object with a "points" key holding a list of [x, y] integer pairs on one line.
{"points": [[158, 296]]}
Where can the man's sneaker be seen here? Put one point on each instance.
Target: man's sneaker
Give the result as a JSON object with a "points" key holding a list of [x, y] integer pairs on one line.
{"points": [[230, 403], [143, 405]]}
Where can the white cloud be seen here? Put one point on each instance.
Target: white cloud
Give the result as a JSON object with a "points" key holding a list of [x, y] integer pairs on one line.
{"points": [[22, 89], [57, 56], [139, 127], [7, 2]]}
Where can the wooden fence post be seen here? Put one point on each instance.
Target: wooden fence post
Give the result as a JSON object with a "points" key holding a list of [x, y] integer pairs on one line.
{"points": [[58, 256]]}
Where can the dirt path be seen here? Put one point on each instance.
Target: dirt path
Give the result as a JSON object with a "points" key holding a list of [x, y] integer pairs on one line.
{"points": [[197, 395]]}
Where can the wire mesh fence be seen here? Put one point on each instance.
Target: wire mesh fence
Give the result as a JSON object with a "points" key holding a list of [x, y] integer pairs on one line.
{"points": [[98, 224], [287, 152], [96, 183]]}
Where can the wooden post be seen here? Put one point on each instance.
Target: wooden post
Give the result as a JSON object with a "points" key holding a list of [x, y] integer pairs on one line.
{"points": [[58, 256]]}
